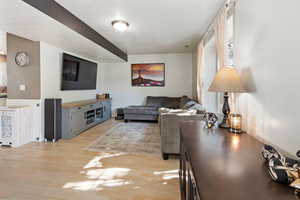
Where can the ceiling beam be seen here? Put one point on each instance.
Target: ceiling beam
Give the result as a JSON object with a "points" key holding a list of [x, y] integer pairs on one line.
{"points": [[62, 15]]}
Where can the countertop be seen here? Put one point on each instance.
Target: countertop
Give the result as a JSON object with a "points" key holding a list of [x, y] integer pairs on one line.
{"points": [[13, 107], [82, 103]]}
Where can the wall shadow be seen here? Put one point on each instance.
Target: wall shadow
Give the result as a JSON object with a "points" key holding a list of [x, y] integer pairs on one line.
{"points": [[248, 80]]}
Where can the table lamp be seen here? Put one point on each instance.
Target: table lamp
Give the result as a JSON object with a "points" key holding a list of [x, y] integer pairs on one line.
{"points": [[226, 80]]}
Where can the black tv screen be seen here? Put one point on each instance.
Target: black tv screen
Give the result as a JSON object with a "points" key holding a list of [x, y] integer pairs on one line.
{"points": [[78, 74]]}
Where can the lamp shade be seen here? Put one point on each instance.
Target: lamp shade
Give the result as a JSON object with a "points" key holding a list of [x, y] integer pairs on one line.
{"points": [[2, 58], [227, 80]]}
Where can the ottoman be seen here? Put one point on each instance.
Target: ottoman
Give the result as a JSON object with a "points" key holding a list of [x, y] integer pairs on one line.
{"points": [[144, 113]]}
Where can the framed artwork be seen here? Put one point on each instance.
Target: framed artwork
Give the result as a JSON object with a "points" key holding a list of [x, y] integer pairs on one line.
{"points": [[148, 75]]}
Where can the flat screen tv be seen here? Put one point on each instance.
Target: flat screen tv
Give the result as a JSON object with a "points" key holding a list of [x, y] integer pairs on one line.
{"points": [[78, 74]]}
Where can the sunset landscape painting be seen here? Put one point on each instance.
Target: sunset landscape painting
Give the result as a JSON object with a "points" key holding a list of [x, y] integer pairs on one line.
{"points": [[148, 75]]}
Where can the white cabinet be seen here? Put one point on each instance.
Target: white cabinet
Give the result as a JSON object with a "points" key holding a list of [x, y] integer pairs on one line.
{"points": [[16, 125]]}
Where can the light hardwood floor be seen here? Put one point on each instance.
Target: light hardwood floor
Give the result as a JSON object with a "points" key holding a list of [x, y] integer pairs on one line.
{"points": [[65, 170]]}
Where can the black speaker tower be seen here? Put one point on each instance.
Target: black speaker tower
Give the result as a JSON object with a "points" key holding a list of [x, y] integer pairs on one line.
{"points": [[53, 118]]}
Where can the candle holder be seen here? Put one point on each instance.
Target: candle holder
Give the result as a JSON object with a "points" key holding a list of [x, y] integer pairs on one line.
{"points": [[235, 123]]}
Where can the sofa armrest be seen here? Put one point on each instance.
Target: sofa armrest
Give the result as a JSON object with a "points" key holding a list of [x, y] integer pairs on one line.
{"points": [[180, 116], [169, 129]]}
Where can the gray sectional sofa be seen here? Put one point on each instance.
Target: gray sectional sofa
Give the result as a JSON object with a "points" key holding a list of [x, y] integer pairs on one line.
{"points": [[149, 111], [169, 122], [168, 111]]}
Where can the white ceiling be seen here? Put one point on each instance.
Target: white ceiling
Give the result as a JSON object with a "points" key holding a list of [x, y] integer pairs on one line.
{"points": [[156, 26]]}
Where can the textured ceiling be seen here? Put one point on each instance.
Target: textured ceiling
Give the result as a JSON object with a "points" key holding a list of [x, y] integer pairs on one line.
{"points": [[156, 26]]}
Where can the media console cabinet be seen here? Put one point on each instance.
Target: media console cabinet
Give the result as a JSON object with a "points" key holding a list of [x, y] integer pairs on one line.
{"points": [[82, 115], [218, 165]]}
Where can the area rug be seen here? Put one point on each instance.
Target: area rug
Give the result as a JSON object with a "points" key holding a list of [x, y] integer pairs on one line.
{"points": [[132, 137]]}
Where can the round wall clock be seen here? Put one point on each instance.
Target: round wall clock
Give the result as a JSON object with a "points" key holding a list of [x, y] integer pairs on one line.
{"points": [[22, 59]]}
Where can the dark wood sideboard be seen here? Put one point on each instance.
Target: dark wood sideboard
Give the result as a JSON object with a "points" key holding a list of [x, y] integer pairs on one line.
{"points": [[218, 165]]}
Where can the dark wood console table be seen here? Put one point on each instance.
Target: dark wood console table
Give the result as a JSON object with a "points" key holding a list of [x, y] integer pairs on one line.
{"points": [[218, 165]]}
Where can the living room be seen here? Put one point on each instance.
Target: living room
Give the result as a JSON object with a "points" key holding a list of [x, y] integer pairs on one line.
{"points": [[149, 100]]}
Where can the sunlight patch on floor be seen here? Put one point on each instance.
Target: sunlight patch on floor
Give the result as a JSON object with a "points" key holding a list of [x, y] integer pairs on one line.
{"points": [[168, 175], [175, 171], [100, 178], [96, 161], [107, 174], [95, 185]]}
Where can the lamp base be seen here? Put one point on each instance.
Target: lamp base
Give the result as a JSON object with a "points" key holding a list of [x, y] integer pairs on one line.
{"points": [[226, 111], [224, 125]]}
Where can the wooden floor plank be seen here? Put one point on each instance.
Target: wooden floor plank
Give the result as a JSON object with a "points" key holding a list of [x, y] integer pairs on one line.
{"points": [[66, 170]]}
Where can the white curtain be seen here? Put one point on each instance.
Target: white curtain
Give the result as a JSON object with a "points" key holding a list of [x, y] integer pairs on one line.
{"points": [[220, 37], [219, 31], [200, 50], [220, 46]]}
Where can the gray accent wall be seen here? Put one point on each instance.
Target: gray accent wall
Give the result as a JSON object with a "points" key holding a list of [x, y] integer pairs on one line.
{"points": [[29, 75]]}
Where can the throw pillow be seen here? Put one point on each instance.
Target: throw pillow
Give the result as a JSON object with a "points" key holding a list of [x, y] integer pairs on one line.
{"points": [[197, 107], [189, 104], [183, 101]]}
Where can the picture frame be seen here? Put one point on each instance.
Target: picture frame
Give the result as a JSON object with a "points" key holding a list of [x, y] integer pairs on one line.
{"points": [[148, 75]]}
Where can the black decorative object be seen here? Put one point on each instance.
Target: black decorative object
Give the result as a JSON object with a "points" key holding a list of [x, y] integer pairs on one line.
{"points": [[282, 169], [210, 119], [269, 152]]}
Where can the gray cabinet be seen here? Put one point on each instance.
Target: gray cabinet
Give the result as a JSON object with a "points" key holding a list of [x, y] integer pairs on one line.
{"points": [[77, 121], [79, 116], [107, 109]]}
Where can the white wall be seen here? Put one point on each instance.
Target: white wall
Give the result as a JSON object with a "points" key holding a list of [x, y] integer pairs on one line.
{"points": [[51, 70], [194, 74], [3, 65], [51, 67], [116, 78], [267, 50]]}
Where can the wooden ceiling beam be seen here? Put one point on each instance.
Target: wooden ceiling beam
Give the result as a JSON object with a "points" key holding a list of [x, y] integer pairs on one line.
{"points": [[62, 15]]}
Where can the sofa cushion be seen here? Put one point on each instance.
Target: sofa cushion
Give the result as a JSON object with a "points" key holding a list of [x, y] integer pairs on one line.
{"points": [[155, 101], [141, 110], [161, 101], [171, 102]]}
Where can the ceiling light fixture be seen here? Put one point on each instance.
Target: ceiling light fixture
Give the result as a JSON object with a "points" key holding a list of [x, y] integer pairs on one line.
{"points": [[120, 25]]}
